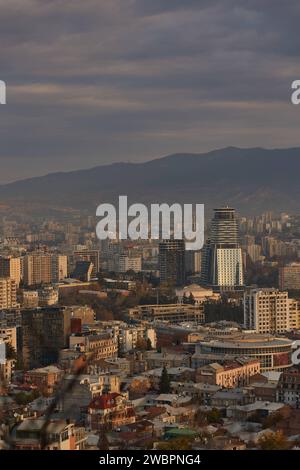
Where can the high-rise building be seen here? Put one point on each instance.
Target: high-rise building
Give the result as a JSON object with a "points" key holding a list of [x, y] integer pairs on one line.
{"points": [[44, 268], [172, 262], [8, 293], [193, 261], [11, 267], [45, 331], [269, 310], [222, 260], [289, 276]]}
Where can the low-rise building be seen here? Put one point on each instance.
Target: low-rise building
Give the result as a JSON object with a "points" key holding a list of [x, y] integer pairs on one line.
{"points": [[288, 390], [45, 378], [229, 374], [110, 411]]}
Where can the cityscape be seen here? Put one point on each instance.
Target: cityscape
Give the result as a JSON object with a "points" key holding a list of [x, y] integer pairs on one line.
{"points": [[149, 232], [121, 344]]}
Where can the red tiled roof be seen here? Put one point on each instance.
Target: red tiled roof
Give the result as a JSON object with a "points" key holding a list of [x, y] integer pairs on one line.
{"points": [[104, 402]]}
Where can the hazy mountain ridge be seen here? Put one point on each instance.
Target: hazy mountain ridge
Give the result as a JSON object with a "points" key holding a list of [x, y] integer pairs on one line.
{"points": [[252, 180]]}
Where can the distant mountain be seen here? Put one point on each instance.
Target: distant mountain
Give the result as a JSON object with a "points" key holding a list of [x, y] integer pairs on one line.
{"points": [[251, 180]]}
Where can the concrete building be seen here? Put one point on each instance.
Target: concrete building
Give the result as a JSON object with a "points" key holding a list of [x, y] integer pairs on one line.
{"points": [[198, 293], [172, 262], [97, 346], [45, 378], [45, 331], [44, 268], [288, 389], [230, 374], [59, 435], [273, 353], [47, 295], [269, 310], [130, 336], [11, 267], [30, 298], [130, 263], [289, 276], [8, 293], [175, 313]]}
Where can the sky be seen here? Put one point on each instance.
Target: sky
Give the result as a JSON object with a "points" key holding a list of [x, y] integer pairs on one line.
{"points": [[92, 82]]}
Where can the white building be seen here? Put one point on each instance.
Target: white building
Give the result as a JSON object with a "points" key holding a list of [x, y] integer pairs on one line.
{"points": [[130, 263]]}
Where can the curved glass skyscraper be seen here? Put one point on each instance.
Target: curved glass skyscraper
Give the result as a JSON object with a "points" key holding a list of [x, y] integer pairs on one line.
{"points": [[222, 261]]}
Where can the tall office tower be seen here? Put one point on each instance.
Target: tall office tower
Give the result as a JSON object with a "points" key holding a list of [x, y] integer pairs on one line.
{"points": [[11, 267], [269, 310], [172, 262], [222, 261], [89, 255], [8, 293], [45, 331], [44, 268], [289, 276]]}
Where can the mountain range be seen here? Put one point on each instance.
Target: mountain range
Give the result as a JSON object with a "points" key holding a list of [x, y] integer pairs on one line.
{"points": [[252, 180]]}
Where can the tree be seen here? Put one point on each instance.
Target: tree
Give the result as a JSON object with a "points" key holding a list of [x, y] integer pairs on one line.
{"points": [[179, 443], [273, 441], [213, 416], [10, 352], [164, 385]]}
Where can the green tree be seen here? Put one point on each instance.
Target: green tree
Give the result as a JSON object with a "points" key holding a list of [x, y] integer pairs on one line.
{"points": [[213, 416], [164, 385]]}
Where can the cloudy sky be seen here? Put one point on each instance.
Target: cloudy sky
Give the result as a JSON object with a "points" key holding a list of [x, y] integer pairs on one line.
{"points": [[91, 82]]}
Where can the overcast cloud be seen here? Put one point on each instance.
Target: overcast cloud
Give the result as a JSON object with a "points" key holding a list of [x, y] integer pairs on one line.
{"points": [[91, 82]]}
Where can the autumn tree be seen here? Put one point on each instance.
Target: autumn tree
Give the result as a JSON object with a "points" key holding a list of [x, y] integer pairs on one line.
{"points": [[273, 441]]}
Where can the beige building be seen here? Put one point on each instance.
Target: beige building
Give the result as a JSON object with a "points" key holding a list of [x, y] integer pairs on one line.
{"points": [[44, 268], [8, 293], [231, 374], [169, 312], [289, 276], [45, 378], [9, 335], [199, 294], [11, 267], [30, 298], [99, 347], [269, 310]]}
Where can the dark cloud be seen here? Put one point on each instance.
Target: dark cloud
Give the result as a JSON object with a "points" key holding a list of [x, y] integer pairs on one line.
{"points": [[95, 81]]}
